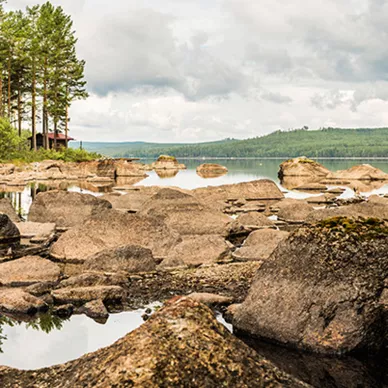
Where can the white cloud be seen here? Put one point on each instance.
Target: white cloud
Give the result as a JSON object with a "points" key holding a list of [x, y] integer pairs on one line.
{"points": [[180, 70]]}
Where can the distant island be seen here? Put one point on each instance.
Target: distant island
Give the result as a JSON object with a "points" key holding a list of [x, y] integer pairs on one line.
{"points": [[326, 142]]}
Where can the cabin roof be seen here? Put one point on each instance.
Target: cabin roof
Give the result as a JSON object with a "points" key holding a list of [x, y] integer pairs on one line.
{"points": [[60, 136]]}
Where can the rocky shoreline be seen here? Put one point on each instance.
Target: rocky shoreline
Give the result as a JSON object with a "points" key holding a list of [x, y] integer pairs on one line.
{"points": [[313, 276]]}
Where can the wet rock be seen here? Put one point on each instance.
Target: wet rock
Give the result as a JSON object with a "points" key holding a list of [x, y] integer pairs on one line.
{"points": [[211, 170], [28, 270], [210, 299], [320, 289], [95, 310], [65, 209], [17, 301], [112, 229], [184, 214], [359, 173], [7, 208], [35, 229], [293, 210], [260, 245], [9, 233], [166, 162], [197, 250], [128, 258], [302, 167], [81, 295], [181, 345]]}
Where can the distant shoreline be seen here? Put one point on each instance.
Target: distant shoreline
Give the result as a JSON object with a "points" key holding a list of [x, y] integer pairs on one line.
{"points": [[267, 158]]}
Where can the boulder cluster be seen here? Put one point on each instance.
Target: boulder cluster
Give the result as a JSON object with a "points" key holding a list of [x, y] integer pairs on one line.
{"points": [[307, 274]]}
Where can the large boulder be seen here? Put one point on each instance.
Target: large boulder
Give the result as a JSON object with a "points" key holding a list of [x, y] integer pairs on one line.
{"points": [[184, 214], [9, 233], [321, 289], [166, 162], [360, 173], [81, 295], [111, 229], [211, 170], [182, 345], [255, 192], [302, 167], [35, 229], [28, 270], [128, 258], [65, 209], [126, 168], [260, 244], [293, 210]]}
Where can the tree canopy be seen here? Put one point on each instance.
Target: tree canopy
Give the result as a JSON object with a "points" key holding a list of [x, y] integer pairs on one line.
{"points": [[40, 72]]}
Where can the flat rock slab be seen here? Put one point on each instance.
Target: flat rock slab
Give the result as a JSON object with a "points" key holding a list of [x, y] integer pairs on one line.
{"points": [[17, 301], [83, 295], [182, 345], [28, 270], [35, 229]]}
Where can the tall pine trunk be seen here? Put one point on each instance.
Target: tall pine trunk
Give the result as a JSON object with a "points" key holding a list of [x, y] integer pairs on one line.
{"points": [[1, 95], [33, 107], [45, 117], [19, 111], [9, 87]]}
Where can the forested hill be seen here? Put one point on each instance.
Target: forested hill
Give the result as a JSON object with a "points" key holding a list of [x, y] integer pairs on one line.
{"points": [[328, 142]]}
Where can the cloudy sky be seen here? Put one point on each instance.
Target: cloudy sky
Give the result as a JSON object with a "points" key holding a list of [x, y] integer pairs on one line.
{"points": [[199, 70]]}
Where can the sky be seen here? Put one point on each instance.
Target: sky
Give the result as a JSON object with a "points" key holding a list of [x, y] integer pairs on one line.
{"points": [[203, 70]]}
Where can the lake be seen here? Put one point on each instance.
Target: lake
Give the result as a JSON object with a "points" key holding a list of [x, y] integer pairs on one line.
{"points": [[240, 170]]}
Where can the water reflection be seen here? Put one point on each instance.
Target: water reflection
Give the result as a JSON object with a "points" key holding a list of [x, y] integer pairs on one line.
{"points": [[326, 372], [50, 340]]}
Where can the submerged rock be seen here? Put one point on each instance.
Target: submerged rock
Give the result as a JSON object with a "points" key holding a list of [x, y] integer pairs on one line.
{"points": [[27, 271], [182, 345], [65, 209], [128, 258], [320, 289]]}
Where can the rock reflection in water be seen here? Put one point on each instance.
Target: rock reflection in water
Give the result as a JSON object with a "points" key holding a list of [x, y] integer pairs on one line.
{"points": [[164, 174], [326, 372], [49, 340]]}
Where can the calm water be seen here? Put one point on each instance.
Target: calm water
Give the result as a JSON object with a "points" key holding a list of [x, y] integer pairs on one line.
{"points": [[240, 170]]}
